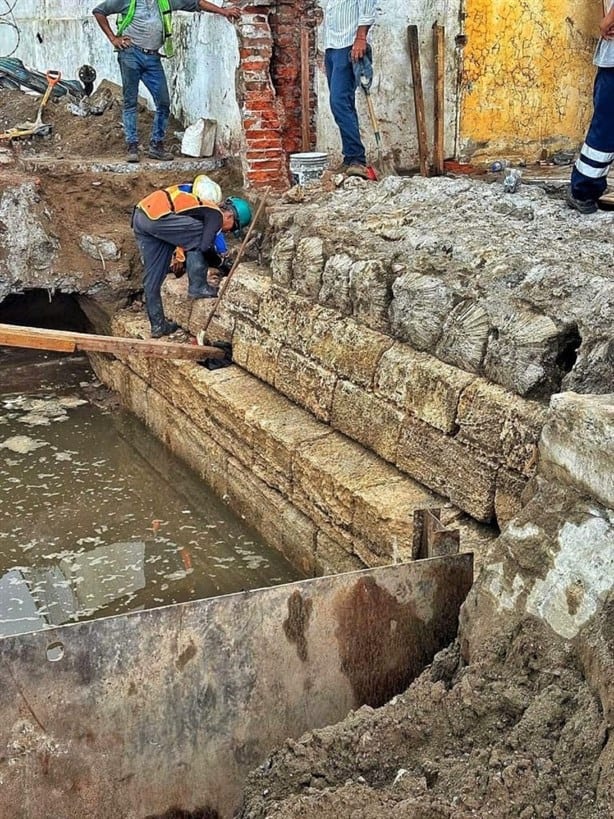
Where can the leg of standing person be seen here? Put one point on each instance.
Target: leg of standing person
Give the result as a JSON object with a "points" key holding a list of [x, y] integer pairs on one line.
{"points": [[342, 90], [589, 176], [131, 69], [154, 80]]}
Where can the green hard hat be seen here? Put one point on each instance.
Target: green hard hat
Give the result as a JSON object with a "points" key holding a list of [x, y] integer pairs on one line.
{"points": [[241, 210]]}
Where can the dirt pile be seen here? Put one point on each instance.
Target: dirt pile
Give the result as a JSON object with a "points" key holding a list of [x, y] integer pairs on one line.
{"points": [[518, 735], [75, 136]]}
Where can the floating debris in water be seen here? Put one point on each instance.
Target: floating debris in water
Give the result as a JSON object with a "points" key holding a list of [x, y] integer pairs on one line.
{"points": [[22, 444]]}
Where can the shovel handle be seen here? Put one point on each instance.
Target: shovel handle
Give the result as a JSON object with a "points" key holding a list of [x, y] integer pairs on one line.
{"points": [[53, 77]]}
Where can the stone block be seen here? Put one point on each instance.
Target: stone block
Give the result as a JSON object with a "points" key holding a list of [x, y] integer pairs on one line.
{"points": [[335, 290], [245, 291], [277, 435], [177, 306], [272, 516], [305, 383], [419, 308], [501, 424], [307, 266], [577, 444], [288, 317], [464, 336], [421, 384], [281, 260], [367, 419], [350, 349], [508, 490], [329, 472], [330, 559], [255, 351], [371, 293], [384, 515], [447, 466]]}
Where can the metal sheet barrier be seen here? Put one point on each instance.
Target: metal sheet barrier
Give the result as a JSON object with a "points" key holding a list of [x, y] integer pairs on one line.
{"points": [[130, 715]]}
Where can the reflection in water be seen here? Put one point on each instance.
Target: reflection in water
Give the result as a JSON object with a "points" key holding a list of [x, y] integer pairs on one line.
{"points": [[97, 518]]}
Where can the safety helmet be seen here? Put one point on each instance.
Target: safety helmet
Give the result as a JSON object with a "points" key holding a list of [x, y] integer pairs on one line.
{"points": [[241, 211], [206, 189]]}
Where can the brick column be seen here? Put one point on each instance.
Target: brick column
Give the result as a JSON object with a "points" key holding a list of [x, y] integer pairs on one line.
{"points": [[269, 88]]}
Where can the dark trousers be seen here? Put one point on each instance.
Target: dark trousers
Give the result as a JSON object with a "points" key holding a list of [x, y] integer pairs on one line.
{"points": [[136, 67], [156, 240], [589, 176], [342, 91]]}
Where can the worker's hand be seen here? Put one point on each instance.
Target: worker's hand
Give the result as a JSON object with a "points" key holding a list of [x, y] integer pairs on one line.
{"points": [[121, 42], [359, 49], [231, 13], [606, 26], [177, 268]]}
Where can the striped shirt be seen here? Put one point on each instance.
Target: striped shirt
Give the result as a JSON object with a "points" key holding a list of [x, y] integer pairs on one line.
{"points": [[604, 53], [342, 18]]}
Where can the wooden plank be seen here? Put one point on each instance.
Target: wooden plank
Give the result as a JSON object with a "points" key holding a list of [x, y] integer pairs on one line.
{"points": [[60, 340], [416, 71], [438, 106], [305, 90]]}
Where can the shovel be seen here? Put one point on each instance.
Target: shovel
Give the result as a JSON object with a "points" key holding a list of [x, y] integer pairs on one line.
{"points": [[38, 127], [363, 72]]}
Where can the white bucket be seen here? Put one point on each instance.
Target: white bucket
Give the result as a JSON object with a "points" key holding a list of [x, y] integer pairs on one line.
{"points": [[307, 166]]}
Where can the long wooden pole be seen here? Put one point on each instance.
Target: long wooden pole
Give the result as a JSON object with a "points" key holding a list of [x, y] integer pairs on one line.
{"points": [[237, 260], [305, 90], [439, 95], [414, 56], [34, 338]]}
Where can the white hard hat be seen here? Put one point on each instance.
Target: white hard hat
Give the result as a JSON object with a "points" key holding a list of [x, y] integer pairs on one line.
{"points": [[207, 189]]}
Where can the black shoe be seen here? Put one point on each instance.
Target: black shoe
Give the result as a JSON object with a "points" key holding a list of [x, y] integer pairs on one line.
{"points": [[584, 206], [156, 151], [204, 292], [164, 329], [133, 152]]}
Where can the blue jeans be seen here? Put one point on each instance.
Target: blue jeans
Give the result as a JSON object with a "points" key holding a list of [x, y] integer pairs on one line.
{"points": [[589, 177], [135, 67], [342, 90]]}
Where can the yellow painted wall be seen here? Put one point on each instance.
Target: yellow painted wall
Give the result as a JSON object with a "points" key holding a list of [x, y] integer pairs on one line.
{"points": [[526, 77]]}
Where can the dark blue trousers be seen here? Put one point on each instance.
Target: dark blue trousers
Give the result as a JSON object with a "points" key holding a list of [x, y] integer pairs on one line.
{"points": [[157, 239], [342, 91], [589, 176], [136, 67]]}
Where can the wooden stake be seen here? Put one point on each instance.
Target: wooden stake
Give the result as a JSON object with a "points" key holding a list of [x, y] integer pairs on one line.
{"points": [[65, 342], [305, 90], [239, 255], [438, 106], [416, 71]]}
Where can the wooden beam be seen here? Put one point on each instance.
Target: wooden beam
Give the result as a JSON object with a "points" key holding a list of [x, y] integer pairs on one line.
{"points": [[305, 90], [416, 72], [66, 342], [438, 105]]}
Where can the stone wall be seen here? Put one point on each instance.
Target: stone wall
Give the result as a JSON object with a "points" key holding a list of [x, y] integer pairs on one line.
{"points": [[323, 500]]}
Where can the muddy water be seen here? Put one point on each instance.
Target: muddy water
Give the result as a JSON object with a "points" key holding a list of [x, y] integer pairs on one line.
{"points": [[96, 517]]}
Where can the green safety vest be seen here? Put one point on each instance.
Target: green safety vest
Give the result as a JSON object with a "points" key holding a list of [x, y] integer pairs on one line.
{"points": [[166, 13]]}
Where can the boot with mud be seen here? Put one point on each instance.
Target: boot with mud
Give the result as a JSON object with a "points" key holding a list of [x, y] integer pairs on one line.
{"points": [[164, 329], [357, 170], [157, 151], [132, 154]]}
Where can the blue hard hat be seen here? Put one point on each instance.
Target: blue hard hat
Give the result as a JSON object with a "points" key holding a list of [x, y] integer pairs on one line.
{"points": [[241, 211]]}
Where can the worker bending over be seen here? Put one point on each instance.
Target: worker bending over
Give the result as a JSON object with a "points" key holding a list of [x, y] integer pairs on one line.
{"points": [[169, 218]]}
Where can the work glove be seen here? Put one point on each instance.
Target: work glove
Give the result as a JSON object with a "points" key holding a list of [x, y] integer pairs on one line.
{"points": [[363, 71]]}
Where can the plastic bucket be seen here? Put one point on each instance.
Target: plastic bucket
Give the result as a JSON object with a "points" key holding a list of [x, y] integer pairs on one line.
{"points": [[307, 166]]}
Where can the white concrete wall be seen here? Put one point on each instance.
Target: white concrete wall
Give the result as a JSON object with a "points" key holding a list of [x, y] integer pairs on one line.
{"points": [[392, 89], [202, 76]]}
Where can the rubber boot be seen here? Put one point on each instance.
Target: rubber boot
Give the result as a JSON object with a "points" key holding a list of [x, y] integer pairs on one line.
{"points": [[160, 326], [196, 268]]}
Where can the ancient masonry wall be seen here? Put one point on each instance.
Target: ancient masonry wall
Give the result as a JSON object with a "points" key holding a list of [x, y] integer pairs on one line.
{"points": [[467, 439], [321, 499]]}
